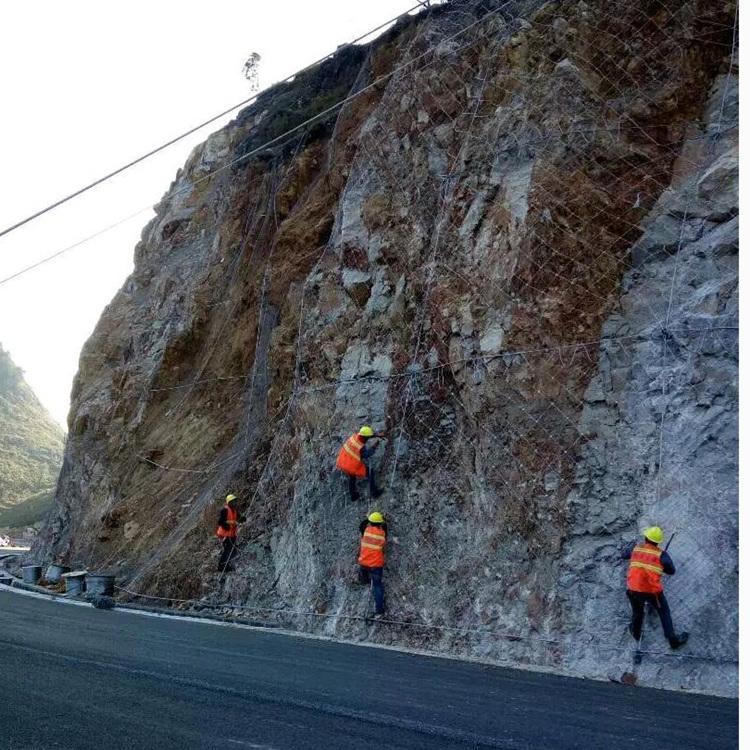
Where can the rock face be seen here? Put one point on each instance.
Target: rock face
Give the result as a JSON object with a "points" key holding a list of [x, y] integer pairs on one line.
{"points": [[514, 249], [31, 448]]}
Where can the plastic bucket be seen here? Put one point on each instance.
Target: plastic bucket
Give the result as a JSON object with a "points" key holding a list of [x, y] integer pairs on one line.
{"points": [[31, 573], [100, 583], [54, 573], [75, 583]]}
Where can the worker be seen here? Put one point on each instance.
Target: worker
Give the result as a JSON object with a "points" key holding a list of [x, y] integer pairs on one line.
{"points": [[227, 532], [353, 460], [647, 564], [372, 557]]}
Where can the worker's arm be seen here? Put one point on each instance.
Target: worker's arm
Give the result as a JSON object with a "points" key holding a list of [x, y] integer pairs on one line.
{"points": [[627, 551], [363, 526], [667, 564]]}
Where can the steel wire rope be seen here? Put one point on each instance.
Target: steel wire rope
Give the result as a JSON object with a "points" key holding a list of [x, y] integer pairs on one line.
{"points": [[668, 312], [293, 394], [545, 139], [391, 621], [182, 524], [252, 152], [200, 126], [273, 188]]}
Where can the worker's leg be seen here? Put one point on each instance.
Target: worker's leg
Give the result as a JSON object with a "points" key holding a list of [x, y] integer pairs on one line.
{"points": [[226, 550], [374, 491], [364, 575], [376, 579], [233, 549], [660, 602], [353, 495], [638, 604]]}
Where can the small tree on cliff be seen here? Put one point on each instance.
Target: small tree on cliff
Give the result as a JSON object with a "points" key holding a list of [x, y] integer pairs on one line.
{"points": [[250, 71]]}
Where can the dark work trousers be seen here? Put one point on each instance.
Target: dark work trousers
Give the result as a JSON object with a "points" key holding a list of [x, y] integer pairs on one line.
{"points": [[374, 576], [638, 602], [228, 551], [353, 494]]}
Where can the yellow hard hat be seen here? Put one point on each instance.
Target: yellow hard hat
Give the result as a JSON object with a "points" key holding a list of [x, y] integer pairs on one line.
{"points": [[231, 497], [376, 517], [366, 431], [654, 534]]}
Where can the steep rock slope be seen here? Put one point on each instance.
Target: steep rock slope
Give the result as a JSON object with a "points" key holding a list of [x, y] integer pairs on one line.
{"points": [[513, 248], [31, 449]]}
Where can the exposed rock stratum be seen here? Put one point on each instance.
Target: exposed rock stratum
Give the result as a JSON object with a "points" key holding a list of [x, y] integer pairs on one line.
{"points": [[513, 247]]}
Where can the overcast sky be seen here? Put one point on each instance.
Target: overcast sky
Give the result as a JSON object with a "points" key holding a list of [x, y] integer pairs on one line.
{"points": [[87, 86]]}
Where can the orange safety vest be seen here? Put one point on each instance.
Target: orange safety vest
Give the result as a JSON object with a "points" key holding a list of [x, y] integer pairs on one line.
{"points": [[372, 547], [231, 532], [645, 571], [350, 457]]}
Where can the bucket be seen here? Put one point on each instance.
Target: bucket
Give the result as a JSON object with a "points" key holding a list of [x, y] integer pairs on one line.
{"points": [[31, 573], [100, 583], [54, 572], [75, 582]]}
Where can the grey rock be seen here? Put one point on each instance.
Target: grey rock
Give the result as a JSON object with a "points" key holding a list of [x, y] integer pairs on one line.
{"points": [[495, 224]]}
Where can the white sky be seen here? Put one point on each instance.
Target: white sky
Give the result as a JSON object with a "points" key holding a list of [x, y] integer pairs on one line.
{"points": [[88, 86]]}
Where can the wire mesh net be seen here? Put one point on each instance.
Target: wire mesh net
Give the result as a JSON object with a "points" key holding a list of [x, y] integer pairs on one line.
{"points": [[545, 375]]}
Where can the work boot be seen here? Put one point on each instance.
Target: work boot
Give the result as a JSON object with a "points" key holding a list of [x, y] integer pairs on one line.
{"points": [[679, 640]]}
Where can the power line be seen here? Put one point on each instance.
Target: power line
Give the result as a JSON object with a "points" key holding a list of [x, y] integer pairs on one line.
{"points": [[192, 130], [67, 249], [263, 146], [541, 140]]}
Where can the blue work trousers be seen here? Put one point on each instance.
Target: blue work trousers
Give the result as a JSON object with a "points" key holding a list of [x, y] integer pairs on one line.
{"points": [[374, 576]]}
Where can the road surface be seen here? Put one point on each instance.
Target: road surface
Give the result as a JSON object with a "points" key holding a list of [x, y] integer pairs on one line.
{"points": [[83, 678]]}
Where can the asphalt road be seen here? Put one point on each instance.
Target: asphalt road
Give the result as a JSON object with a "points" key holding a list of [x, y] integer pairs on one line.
{"points": [[79, 678]]}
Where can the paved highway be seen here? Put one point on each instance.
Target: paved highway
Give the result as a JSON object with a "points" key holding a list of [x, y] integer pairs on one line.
{"points": [[79, 678]]}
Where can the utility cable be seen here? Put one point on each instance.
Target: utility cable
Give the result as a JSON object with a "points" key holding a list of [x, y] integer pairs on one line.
{"points": [[337, 105], [192, 130]]}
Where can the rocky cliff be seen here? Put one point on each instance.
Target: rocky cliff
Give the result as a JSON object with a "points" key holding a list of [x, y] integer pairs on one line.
{"points": [[513, 247], [31, 449]]}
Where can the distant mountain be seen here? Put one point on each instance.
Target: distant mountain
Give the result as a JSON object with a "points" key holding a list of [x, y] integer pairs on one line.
{"points": [[31, 447]]}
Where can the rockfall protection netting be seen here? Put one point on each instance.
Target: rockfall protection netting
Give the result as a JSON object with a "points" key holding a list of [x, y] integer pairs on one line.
{"points": [[499, 437]]}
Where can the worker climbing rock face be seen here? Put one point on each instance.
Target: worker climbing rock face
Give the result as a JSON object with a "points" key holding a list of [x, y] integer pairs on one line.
{"points": [[648, 562], [372, 557], [354, 460], [229, 519]]}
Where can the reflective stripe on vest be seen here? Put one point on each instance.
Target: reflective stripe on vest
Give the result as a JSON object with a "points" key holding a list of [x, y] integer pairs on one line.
{"points": [[353, 448], [231, 532], [371, 548], [645, 570]]}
